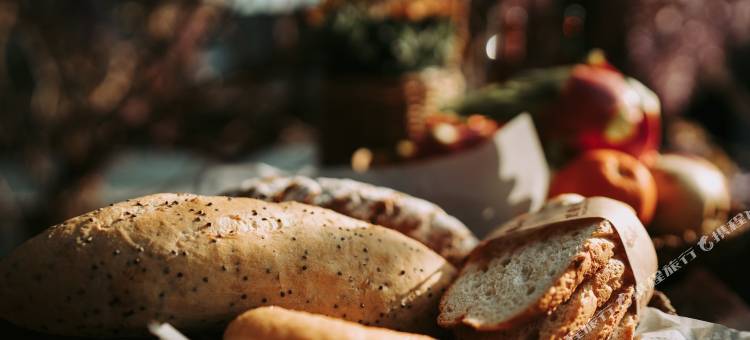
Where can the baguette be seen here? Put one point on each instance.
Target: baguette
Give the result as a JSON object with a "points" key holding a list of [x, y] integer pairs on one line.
{"points": [[276, 323], [414, 217], [197, 261]]}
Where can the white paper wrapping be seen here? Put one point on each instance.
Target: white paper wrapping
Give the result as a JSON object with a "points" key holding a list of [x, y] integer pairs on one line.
{"points": [[483, 186], [657, 325], [639, 250]]}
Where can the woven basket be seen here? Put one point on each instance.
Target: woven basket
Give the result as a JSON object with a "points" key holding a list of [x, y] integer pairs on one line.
{"points": [[376, 111]]}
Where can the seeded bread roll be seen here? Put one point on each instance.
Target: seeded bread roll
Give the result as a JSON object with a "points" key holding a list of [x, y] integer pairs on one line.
{"points": [[416, 218], [196, 262], [276, 323]]}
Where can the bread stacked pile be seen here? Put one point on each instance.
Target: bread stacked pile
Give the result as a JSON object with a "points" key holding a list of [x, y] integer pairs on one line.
{"points": [[553, 283]]}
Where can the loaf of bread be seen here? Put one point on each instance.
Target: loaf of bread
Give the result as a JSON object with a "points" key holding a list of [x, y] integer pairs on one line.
{"points": [[276, 323], [511, 280], [197, 262], [548, 283], [414, 217]]}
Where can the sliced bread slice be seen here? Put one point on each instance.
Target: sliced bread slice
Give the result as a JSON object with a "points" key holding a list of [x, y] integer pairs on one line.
{"points": [[609, 316], [511, 280], [567, 317], [578, 310], [609, 279]]}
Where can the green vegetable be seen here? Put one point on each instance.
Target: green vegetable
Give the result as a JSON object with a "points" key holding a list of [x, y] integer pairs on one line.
{"points": [[526, 93]]}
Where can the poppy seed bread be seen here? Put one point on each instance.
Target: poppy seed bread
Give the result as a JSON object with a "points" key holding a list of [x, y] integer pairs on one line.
{"points": [[198, 261]]}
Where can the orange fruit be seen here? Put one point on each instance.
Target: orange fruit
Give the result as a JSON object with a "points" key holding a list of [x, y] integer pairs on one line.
{"points": [[612, 174]]}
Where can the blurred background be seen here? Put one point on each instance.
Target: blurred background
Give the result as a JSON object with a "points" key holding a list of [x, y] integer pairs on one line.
{"points": [[105, 100]]}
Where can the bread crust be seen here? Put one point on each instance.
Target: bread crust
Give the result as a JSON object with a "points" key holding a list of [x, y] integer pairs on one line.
{"points": [[414, 217], [571, 315], [626, 329], [595, 254], [276, 323], [578, 310], [604, 324], [198, 261]]}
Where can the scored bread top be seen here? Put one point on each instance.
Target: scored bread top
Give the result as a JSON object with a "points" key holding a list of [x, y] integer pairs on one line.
{"points": [[511, 280], [414, 217], [197, 261]]}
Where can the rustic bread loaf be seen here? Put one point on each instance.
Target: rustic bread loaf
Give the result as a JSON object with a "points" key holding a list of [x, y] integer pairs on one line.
{"points": [[196, 262], [416, 218], [509, 281], [276, 323]]}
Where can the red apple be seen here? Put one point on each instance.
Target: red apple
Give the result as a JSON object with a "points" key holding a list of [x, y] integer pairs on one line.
{"points": [[599, 108], [577, 108]]}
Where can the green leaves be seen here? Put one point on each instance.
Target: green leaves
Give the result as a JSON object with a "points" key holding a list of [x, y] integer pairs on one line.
{"points": [[527, 92]]}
